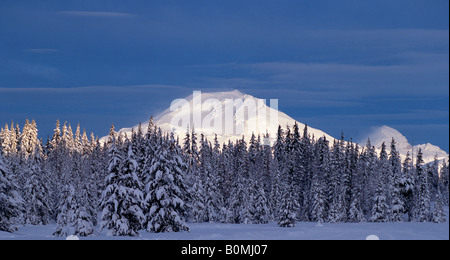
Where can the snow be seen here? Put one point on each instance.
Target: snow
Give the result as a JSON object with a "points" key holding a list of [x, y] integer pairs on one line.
{"points": [[72, 237], [271, 231], [241, 116], [377, 136], [385, 134]]}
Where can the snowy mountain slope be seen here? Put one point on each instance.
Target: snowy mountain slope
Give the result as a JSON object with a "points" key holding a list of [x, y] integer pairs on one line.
{"points": [[385, 134], [211, 108], [241, 121]]}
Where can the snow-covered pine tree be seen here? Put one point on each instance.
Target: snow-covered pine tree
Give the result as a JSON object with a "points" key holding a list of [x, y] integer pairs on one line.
{"points": [[367, 168], [198, 171], [29, 140], [276, 190], [444, 182], [423, 198], [73, 207], [5, 145], [398, 182], [66, 211], [380, 210], [219, 175], [306, 171], [166, 192], [198, 208], [255, 162], [243, 202], [10, 199], [56, 137], [131, 187], [77, 144], [260, 214], [54, 166], [321, 171], [8, 141], [14, 140], [318, 213], [350, 185], [289, 206], [85, 212], [121, 200], [151, 140], [36, 190], [86, 196], [112, 136], [355, 212], [212, 196], [438, 210], [336, 198], [69, 139], [239, 205], [84, 224], [408, 188], [433, 177], [98, 171], [139, 150], [385, 175], [267, 158], [86, 146], [279, 149], [228, 171]]}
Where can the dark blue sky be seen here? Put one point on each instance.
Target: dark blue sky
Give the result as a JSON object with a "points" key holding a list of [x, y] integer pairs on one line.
{"points": [[335, 65]]}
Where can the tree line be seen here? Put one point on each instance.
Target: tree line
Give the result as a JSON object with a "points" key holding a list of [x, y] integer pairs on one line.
{"points": [[156, 182]]}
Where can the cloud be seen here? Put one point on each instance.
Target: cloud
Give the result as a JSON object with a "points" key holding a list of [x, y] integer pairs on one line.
{"points": [[412, 72], [41, 50], [98, 14], [32, 69], [97, 89]]}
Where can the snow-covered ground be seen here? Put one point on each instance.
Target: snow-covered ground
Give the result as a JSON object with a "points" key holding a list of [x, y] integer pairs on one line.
{"points": [[302, 231]]}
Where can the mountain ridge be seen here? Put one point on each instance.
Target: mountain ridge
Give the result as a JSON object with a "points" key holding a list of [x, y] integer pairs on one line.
{"points": [[217, 102], [385, 134]]}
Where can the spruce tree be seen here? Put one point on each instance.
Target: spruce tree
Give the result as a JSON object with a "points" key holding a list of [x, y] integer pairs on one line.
{"points": [[444, 182], [5, 140], [398, 182], [289, 205], [212, 195], [423, 192], [121, 200], [132, 185], [166, 192], [318, 213], [432, 171], [408, 189], [367, 168], [385, 177], [260, 206], [66, 211], [336, 197], [36, 195], [321, 172], [438, 211], [10, 199], [380, 210]]}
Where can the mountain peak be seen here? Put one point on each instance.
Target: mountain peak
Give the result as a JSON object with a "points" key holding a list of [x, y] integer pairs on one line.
{"points": [[385, 134], [231, 115]]}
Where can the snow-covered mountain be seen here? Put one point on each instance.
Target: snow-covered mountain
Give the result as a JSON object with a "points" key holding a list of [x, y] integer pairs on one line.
{"points": [[232, 115], [385, 134]]}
